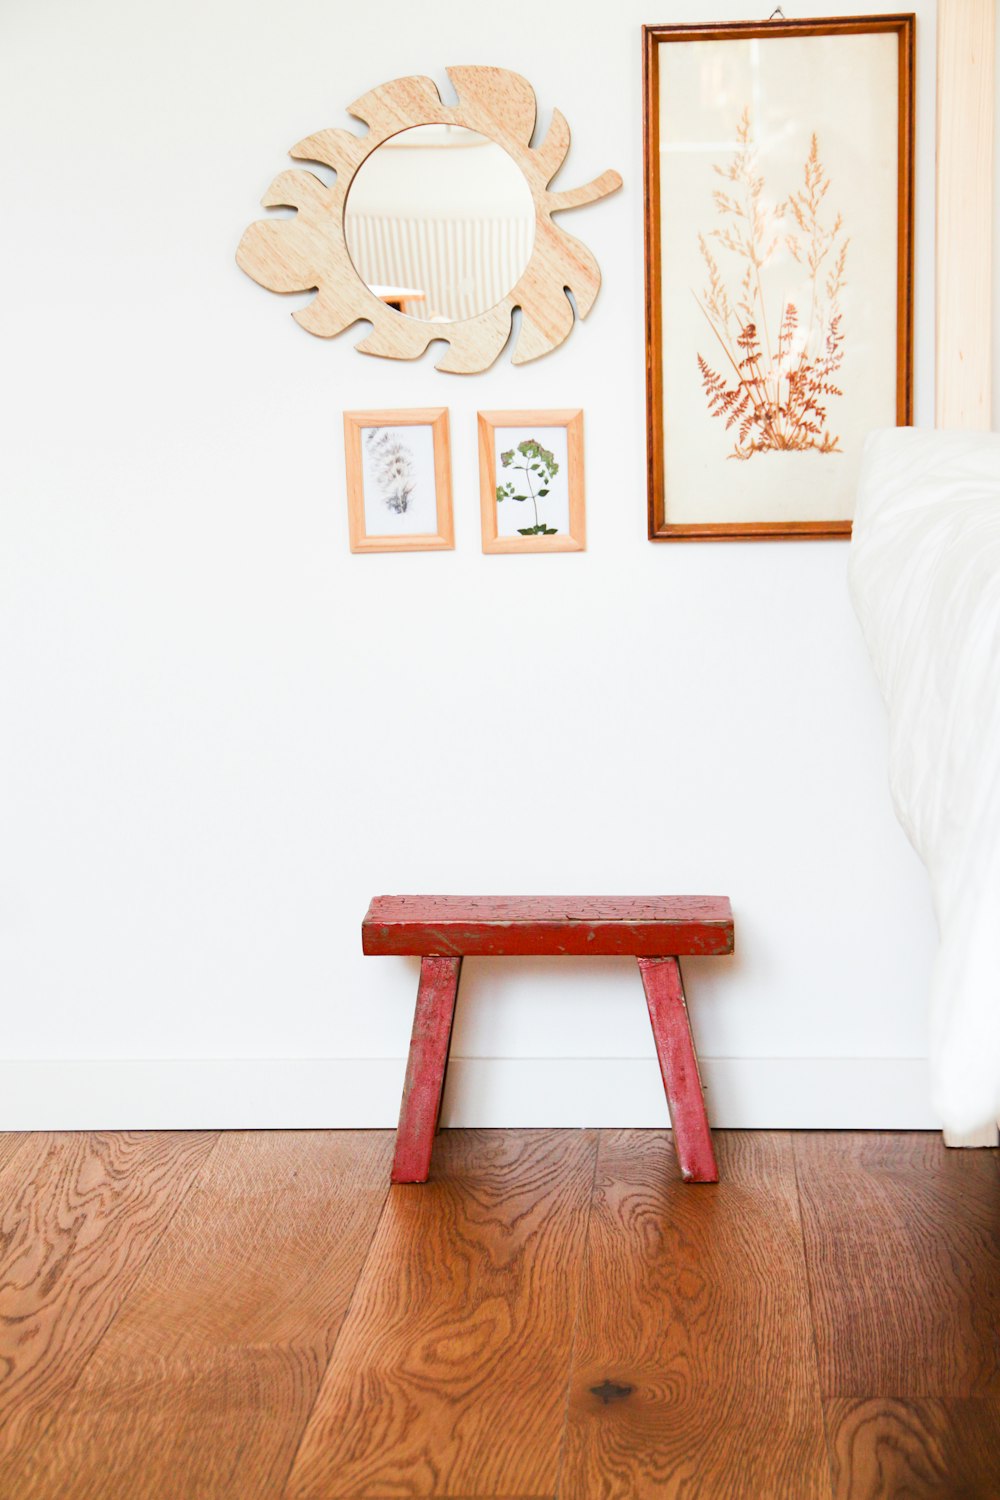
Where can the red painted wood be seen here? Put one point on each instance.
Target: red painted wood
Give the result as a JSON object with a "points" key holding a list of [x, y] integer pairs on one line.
{"points": [[661, 980], [653, 929], [648, 926], [425, 1068]]}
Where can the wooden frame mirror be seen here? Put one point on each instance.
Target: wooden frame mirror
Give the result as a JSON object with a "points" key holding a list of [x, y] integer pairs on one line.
{"points": [[310, 250]]}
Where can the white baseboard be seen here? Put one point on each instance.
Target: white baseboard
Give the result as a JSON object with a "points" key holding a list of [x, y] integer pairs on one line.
{"points": [[336, 1093]]}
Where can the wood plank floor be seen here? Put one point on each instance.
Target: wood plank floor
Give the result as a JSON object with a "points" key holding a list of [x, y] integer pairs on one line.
{"points": [[258, 1316], [695, 1309]]}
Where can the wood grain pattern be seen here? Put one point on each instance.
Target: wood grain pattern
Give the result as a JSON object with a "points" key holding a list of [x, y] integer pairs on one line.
{"points": [[79, 1215], [310, 250], [653, 926], [156, 1357], [964, 216], [435, 417], [694, 1373], [915, 1450], [903, 1253], [660, 527], [11, 1141], [203, 1385], [572, 540], [450, 1376]]}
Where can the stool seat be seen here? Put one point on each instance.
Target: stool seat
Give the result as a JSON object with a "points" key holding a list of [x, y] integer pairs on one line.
{"points": [[655, 930], [526, 926]]}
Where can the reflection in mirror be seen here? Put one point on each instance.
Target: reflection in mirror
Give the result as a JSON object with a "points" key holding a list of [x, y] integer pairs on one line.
{"points": [[440, 223]]}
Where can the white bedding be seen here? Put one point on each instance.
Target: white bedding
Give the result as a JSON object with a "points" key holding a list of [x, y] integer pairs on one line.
{"points": [[925, 580]]}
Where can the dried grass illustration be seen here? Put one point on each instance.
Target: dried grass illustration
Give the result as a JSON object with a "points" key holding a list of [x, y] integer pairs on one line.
{"points": [[780, 374]]}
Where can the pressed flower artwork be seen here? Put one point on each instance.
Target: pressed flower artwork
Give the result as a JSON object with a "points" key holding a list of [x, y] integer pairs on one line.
{"points": [[533, 470], [778, 376], [398, 480], [531, 481], [779, 247], [391, 463]]}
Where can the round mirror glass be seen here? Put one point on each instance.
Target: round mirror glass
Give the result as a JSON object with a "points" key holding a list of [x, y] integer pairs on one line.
{"points": [[440, 223]]}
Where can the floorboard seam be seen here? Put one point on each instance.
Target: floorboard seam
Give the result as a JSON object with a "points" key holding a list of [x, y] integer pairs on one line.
{"points": [[812, 1313], [283, 1490], [576, 1317], [65, 1395]]}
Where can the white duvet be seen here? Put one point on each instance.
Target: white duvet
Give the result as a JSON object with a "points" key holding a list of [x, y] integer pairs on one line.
{"points": [[925, 580]]}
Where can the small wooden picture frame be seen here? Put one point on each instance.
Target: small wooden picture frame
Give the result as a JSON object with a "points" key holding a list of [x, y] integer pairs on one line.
{"points": [[531, 481], [399, 480]]}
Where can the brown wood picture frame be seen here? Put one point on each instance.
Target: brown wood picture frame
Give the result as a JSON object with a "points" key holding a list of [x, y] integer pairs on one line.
{"points": [[396, 537], [661, 527], [571, 539]]}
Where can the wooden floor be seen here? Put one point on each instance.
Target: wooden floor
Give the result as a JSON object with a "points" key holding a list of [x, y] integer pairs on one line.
{"points": [[255, 1314]]}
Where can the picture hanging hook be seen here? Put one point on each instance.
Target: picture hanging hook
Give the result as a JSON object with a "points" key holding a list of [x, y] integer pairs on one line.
{"points": [[777, 11]]}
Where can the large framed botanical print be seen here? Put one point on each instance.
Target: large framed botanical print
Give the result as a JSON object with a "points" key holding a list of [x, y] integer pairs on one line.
{"points": [[779, 258]]}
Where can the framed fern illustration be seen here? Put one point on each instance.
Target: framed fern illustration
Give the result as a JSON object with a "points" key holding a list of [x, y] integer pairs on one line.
{"points": [[399, 480], [779, 259], [531, 481]]}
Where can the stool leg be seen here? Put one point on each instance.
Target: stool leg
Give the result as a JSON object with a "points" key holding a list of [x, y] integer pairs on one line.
{"points": [[425, 1068], [661, 979]]}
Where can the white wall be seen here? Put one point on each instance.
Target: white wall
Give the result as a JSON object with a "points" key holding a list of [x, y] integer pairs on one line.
{"points": [[223, 733], [996, 227]]}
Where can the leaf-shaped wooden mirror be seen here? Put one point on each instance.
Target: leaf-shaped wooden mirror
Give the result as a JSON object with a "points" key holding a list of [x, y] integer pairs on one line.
{"points": [[437, 225]]}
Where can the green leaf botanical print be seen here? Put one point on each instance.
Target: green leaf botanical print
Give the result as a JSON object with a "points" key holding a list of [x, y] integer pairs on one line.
{"points": [[776, 389], [534, 461]]}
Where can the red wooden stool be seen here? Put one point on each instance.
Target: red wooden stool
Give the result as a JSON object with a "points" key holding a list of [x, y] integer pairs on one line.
{"points": [[656, 930]]}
